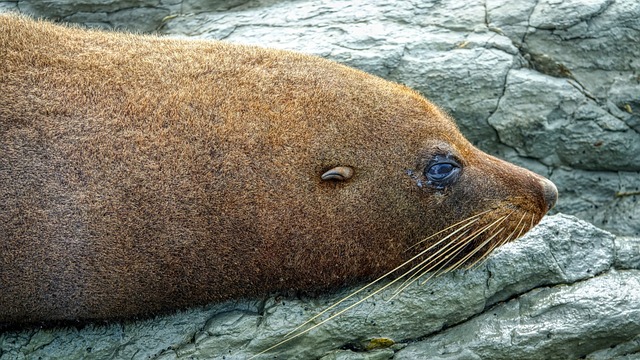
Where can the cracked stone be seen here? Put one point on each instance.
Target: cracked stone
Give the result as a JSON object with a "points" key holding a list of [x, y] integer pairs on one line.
{"points": [[562, 127], [497, 66], [506, 307], [459, 55], [549, 323], [554, 14]]}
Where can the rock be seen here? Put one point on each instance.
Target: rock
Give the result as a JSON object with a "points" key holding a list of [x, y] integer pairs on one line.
{"points": [[550, 85], [625, 351], [133, 15], [551, 323], [558, 128], [606, 199], [6, 6], [627, 253], [565, 290]]}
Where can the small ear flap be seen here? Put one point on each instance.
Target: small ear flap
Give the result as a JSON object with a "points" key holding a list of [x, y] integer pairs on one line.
{"points": [[340, 173]]}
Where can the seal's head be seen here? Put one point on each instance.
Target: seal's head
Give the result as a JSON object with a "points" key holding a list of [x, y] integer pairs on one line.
{"points": [[143, 174], [414, 182]]}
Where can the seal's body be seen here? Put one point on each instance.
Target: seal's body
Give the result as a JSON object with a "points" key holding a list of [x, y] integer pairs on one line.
{"points": [[140, 174]]}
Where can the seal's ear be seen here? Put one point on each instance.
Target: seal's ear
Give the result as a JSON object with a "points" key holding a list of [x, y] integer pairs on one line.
{"points": [[340, 173]]}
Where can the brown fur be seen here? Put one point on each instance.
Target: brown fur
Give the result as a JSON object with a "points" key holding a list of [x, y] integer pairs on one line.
{"points": [[141, 174]]}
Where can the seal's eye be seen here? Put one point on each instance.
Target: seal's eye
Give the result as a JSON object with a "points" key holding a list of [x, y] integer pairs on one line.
{"points": [[442, 171], [438, 172]]}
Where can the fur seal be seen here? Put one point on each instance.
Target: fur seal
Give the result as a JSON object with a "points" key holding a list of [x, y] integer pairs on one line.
{"points": [[141, 174]]}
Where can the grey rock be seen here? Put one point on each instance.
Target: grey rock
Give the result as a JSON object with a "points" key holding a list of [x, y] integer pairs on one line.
{"points": [[132, 15], [554, 15], [510, 18], [199, 6], [121, 19], [9, 6], [560, 284], [62, 8], [551, 85], [606, 199], [352, 355], [579, 43], [627, 253], [562, 126], [628, 351], [555, 83], [568, 254], [547, 323]]}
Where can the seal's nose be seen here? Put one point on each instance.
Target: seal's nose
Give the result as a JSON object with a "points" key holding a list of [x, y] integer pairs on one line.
{"points": [[550, 192]]}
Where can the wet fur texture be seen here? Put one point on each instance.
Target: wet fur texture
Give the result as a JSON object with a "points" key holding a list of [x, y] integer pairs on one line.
{"points": [[140, 174]]}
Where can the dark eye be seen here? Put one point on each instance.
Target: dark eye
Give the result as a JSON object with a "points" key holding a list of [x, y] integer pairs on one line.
{"points": [[443, 171], [440, 171]]}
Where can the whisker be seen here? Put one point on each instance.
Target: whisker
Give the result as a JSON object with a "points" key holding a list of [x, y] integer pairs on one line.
{"points": [[428, 264], [289, 338], [465, 242], [441, 270], [449, 255], [484, 258], [441, 266], [499, 243], [429, 260], [295, 333], [533, 220], [478, 248], [523, 230], [474, 218]]}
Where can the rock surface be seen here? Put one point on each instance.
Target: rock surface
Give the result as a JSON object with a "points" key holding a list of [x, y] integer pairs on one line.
{"points": [[566, 290], [551, 85]]}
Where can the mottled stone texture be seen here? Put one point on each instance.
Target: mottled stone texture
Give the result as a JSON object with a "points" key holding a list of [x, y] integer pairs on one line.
{"points": [[551, 85], [565, 290]]}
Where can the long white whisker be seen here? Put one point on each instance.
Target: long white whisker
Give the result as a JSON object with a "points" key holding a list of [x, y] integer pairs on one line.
{"points": [[483, 259], [495, 245], [473, 220], [470, 254], [292, 334], [289, 338], [440, 266], [428, 261], [523, 229], [471, 238], [477, 248], [418, 269]]}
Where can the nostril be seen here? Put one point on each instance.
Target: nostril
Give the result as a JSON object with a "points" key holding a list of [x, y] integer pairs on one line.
{"points": [[550, 192]]}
